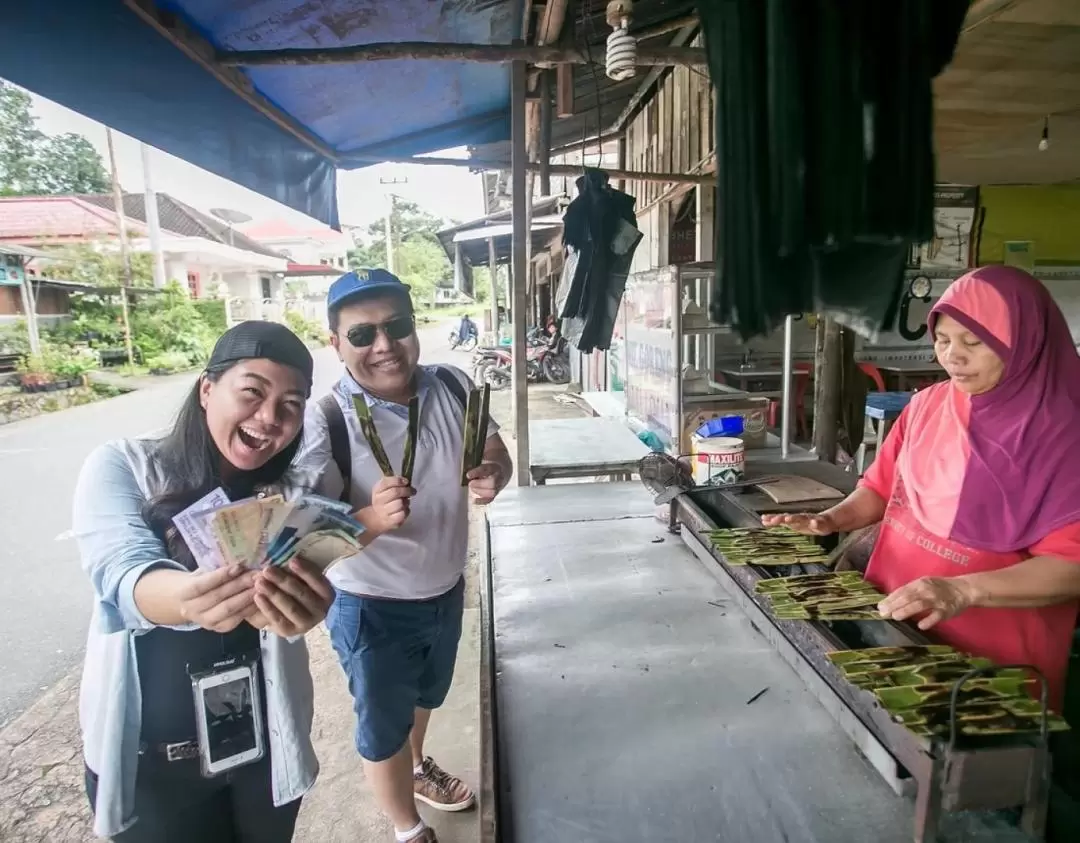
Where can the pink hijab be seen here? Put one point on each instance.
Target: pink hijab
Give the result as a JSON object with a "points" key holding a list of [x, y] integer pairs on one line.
{"points": [[1000, 471]]}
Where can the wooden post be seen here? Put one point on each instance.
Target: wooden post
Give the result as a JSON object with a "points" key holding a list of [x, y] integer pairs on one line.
{"points": [[493, 268], [459, 269], [522, 200], [828, 370], [564, 90], [853, 384], [544, 152], [439, 51], [570, 170], [620, 184], [29, 305], [127, 326]]}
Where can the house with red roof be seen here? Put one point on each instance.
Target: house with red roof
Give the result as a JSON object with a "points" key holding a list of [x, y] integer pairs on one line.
{"points": [[201, 253], [315, 252]]}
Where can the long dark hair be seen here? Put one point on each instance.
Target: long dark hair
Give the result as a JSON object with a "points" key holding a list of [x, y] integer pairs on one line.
{"points": [[190, 464]]}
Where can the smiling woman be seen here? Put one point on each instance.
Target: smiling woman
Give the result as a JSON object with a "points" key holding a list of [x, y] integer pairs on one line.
{"points": [[253, 410], [151, 749]]}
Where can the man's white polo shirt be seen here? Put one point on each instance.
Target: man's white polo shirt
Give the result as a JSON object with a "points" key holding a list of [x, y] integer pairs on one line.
{"points": [[426, 556]]}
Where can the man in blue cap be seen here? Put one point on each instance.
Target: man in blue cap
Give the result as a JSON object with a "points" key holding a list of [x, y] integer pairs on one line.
{"points": [[396, 621]]}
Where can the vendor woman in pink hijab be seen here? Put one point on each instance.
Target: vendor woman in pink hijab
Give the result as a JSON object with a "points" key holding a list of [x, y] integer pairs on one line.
{"points": [[977, 487]]}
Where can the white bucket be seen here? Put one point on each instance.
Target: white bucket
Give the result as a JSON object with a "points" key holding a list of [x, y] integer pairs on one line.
{"points": [[718, 460]]}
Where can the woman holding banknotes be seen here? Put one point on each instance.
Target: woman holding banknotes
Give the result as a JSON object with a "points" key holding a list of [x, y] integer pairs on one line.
{"points": [[196, 699]]}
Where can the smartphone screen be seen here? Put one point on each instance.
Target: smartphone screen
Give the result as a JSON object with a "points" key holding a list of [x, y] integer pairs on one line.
{"points": [[230, 718]]}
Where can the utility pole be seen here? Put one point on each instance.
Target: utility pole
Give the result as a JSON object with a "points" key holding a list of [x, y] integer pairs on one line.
{"points": [[390, 237], [152, 221], [389, 182], [125, 254]]}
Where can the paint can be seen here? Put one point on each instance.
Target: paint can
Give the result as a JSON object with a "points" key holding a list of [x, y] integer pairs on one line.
{"points": [[718, 460]]}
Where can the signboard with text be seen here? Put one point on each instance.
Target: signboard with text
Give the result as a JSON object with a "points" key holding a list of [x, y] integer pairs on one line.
{"points": [[11, 271], [651, 353]]}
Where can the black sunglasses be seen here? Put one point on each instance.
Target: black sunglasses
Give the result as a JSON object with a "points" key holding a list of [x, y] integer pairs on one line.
{"points": [[398, 328]]}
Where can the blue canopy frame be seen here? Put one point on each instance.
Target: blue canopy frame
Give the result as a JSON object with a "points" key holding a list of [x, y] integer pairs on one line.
{"points": [[146, 69]]}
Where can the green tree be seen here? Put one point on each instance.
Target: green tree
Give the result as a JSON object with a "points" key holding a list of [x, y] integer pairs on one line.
{"points": [[85, 264], [69, 164], [33, 164], [19, 141], [419, 259]]}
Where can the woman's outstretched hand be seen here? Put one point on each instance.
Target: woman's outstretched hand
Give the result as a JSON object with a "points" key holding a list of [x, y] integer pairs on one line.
{"points": [[936, 598], [807, 523], [291, 600]]}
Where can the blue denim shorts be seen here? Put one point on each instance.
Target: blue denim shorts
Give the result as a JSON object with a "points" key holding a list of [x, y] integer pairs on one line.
{"points": [[398, 655]]}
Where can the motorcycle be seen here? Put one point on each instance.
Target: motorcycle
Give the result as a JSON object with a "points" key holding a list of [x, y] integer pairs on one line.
{"points": [[467, 344], [543, 363]]}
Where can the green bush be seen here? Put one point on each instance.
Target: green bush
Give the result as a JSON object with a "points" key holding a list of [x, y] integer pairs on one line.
{"points": [[13, 337], [59, 362], [169, 362], [213, 313], [168, 323], [94, 321], [307, 329], [172, 323]]}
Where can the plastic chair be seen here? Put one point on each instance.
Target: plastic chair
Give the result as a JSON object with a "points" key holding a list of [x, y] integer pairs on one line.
{"points": [[874, 373], [799, 387]]}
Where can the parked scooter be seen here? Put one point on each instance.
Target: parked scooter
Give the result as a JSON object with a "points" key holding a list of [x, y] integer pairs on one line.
{"points": [[457, 343], [465, 336], [544, 362]]}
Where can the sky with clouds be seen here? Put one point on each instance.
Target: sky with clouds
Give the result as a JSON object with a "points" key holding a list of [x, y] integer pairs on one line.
{"points": [[448, 192]]}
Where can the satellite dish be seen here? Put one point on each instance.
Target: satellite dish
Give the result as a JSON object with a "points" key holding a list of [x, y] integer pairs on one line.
{"points": [[230, 216]]}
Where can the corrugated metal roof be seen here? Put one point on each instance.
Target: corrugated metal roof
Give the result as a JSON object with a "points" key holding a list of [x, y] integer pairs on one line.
{"points": [[42, 219], [180, 218]]}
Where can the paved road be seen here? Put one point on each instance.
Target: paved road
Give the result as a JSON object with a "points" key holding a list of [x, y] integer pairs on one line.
{"points": [[46, 598]]}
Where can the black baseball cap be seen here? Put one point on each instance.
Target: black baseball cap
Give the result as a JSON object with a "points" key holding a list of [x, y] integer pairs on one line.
{"points": [[258, 340]]}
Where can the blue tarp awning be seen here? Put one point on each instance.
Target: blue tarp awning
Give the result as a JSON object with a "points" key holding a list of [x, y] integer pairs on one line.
{"points": [[103, 59]]}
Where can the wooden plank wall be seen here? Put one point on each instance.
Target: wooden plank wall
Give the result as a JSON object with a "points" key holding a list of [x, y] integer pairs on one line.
{"points": [[673, 132]]}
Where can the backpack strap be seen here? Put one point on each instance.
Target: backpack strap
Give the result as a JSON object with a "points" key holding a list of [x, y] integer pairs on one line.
{"points": [[339, 440], [340, 448], [450, 381]]}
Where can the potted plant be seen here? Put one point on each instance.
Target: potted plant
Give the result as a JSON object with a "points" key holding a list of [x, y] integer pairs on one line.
{"points": [[56, 367], [34, 375]]}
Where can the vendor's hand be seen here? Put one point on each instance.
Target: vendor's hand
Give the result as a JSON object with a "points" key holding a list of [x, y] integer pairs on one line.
{"points": [[485, 482], [217, 600], [937, 598], [291, 600], [807, 523], [390, 504]]}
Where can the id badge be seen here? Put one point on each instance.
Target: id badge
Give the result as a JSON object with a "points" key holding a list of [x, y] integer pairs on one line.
{"points": [[228, 715]]}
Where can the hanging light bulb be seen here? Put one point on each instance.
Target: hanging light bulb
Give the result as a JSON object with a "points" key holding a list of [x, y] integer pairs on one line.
{"points": [[1044, 141], [621, 59]]}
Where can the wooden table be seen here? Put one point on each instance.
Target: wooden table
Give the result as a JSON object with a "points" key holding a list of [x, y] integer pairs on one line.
{"points": [[906, 372], [587, 447]]}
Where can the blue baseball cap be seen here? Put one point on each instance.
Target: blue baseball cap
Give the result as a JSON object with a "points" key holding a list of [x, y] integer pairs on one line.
{"points": [[352, 284]]}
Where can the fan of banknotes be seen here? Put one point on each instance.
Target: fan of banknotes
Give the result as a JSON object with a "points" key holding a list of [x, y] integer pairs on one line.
{"points": [[264, 531]]}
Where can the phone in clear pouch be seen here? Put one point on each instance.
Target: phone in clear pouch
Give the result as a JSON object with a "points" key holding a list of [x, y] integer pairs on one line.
{"points": [[228, 718]]}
